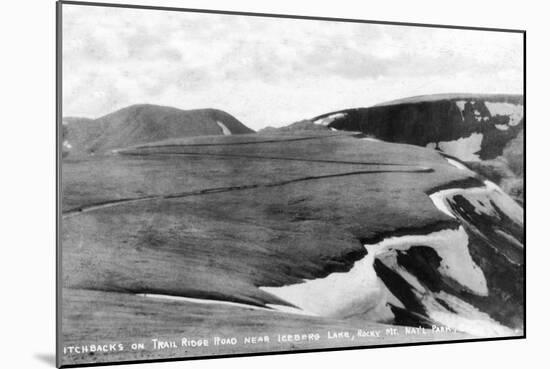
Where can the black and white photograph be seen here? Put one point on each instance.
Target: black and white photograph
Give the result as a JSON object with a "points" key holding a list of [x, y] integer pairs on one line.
{"points": [[238, 184], [274, 184]]}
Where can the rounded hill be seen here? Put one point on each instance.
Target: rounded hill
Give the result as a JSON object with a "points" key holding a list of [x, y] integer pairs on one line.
{"points": [[145, 123]]}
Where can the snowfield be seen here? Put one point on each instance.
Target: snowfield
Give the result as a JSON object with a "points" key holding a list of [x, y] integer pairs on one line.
{"points": [[514, 111], [465, 148]]}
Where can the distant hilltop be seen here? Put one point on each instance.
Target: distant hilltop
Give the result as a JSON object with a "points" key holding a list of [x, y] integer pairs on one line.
{"points": [[141, 124]]}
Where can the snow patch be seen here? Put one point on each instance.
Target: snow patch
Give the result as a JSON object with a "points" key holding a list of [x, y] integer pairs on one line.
{"points": [[513, 111], [325, 121], [441, 198], [477, 115], [225, 130], [339, 294], [465, 148], [360, 291], [460, 105], [502, 127], [511, 208]]}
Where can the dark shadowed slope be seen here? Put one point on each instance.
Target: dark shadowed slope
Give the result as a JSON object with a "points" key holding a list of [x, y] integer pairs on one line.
{"points": [[140, 124], [483, 123], [486, 131]]}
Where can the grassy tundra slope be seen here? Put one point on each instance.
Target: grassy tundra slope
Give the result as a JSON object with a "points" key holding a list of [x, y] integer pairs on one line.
{"points": [[245, 220]]}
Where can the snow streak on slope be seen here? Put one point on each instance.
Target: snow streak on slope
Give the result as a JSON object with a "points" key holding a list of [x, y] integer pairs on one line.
{"points": [[457, 164], [480, 198], [451, 246], [325, 121], [225, 130], [269, 307]]}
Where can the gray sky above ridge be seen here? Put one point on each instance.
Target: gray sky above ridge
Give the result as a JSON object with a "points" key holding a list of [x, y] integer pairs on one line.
{"points": [[270, 71]]}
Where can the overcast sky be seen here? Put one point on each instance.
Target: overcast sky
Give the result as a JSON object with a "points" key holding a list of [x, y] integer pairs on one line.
{"points": [[268, 71]]}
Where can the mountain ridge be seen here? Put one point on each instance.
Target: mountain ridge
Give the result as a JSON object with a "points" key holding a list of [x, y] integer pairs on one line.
{"points": [[483, 130], [144, 123]]}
